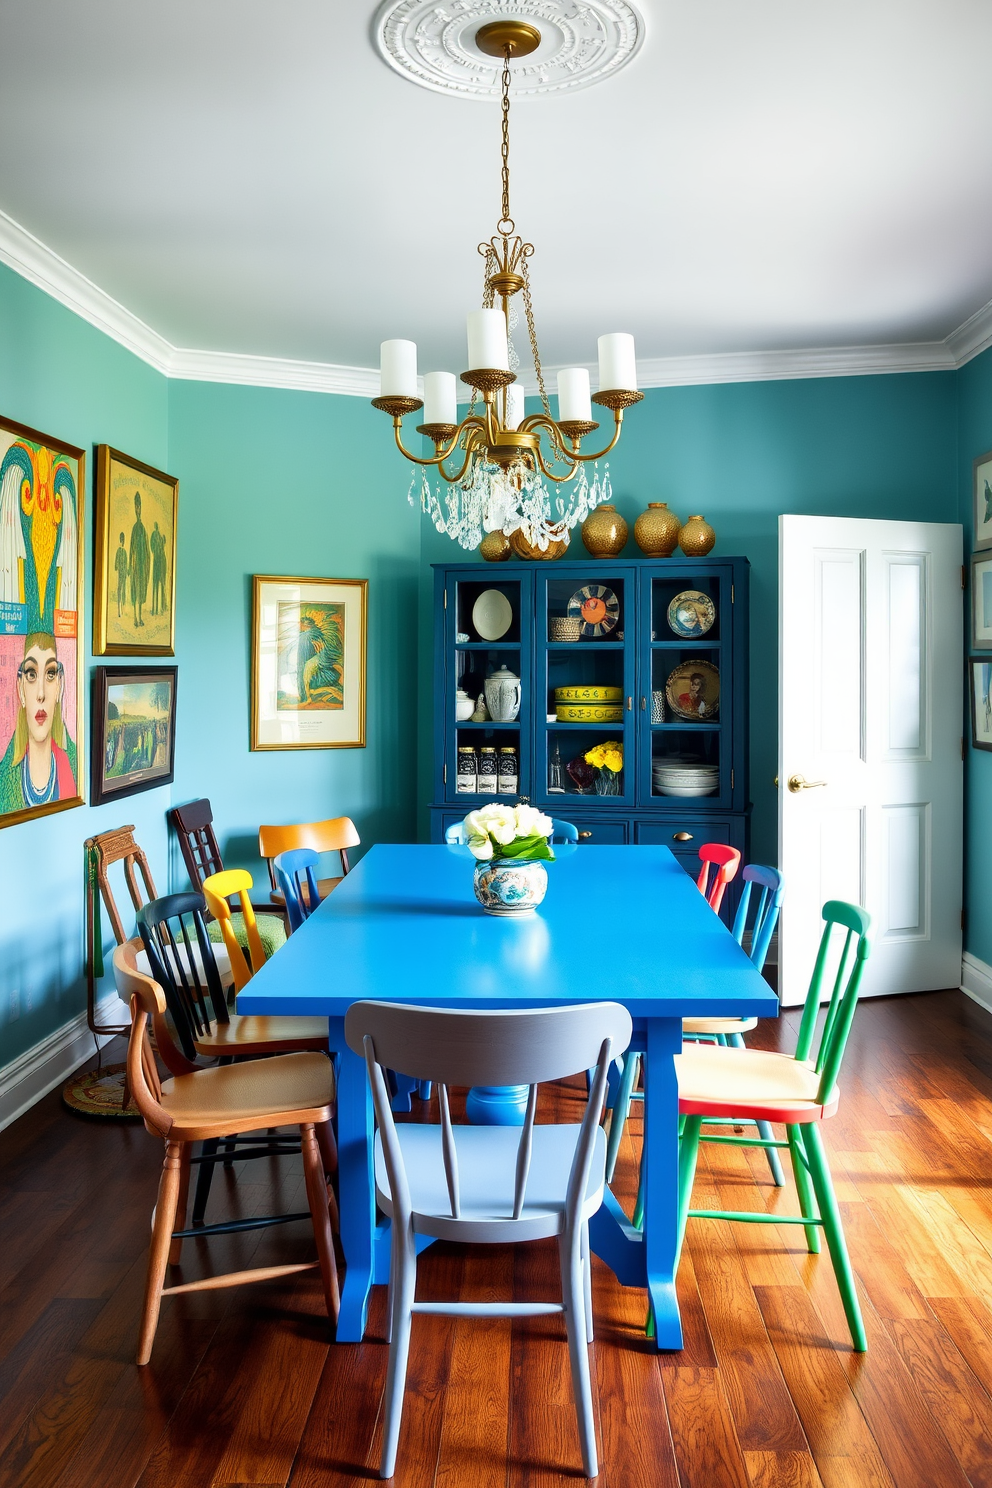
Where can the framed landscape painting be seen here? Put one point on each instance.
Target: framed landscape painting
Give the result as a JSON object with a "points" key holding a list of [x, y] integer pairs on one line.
{"points": [[134, 569], [980, 676], [42, 482], [134, 730], [983, 501], [308, 663], [981, 601]]}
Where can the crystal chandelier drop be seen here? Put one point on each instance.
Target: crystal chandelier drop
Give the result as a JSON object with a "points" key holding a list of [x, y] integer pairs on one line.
{"points": [[495, 462]]}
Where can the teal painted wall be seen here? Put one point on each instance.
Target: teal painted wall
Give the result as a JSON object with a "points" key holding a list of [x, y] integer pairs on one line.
{"points": [[975, 438], [61, 376], [741, 454]]}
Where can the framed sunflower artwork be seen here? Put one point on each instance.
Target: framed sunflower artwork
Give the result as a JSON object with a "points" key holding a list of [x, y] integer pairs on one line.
{"points": [[308, 663]]}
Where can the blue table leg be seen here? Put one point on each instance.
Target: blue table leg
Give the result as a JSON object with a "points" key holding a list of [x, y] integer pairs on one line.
{"points": [[497, 1105], [660, 1161], [355, 1129]]}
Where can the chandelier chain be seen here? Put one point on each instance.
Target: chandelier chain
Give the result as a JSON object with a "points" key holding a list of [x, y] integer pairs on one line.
{"points": [[532, 333], [505, 148]]}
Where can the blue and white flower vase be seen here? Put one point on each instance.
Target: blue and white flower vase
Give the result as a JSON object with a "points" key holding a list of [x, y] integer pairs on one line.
{"points": [[510, 886]]}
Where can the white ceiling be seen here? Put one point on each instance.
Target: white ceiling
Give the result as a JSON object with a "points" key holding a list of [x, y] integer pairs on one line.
{"points": [[766, 174]]}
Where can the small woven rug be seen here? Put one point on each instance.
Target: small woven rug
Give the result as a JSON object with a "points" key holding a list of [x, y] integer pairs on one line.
{"points": [[100, 1093]]}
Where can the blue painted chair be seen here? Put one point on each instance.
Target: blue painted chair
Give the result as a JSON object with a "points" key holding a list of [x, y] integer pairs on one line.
{"points": [[561, 831], [291, 869], [489, 1185], [717, 1030]]}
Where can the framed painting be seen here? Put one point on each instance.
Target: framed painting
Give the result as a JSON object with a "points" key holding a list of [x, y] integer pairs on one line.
{"points": [[134, 730], [42, 484], [983, 501], [308, 663], [980, 679], [981, 601], [134, 565]]}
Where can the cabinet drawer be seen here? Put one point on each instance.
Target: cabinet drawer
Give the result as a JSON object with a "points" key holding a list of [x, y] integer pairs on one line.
{"points": [[602, 832], [685, 834]]}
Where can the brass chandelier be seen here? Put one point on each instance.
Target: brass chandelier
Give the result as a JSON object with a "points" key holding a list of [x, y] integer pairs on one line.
{"points": [[495, 460]]}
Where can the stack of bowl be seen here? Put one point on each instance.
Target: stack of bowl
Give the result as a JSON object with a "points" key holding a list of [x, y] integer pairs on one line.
{"points": [[675, 777], [589, 704]]}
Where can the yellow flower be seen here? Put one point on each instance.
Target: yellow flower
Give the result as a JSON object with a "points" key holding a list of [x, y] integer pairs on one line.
{"points": [[595, 756]]}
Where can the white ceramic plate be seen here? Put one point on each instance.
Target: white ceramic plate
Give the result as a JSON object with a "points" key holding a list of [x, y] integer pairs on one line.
{"points": [[492, 615], [686, 790]]}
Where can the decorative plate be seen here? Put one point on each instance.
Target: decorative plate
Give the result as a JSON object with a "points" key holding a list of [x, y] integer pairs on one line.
{"points": [[691, 614], [492, 615], [693, 691], [596, 607]]}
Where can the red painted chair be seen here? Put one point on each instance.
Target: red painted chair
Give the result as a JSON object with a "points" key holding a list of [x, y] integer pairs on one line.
{"points": [[726, 860]]}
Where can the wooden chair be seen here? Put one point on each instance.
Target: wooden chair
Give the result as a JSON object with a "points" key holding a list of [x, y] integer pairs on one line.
{"points": [[102, 851], [562, 831], [194, 828], [753, 1085], [295, 879], [726, 860], [489, 1185], [335, 835], [196, 1105]]}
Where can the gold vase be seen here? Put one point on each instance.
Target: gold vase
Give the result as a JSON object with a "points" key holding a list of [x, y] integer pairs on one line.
{"points": [[604, 532], [696, 538], [495, 547], [524, 549], [656, 531]]}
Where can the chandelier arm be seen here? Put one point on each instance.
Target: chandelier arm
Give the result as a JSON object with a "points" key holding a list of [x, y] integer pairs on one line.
{"points": [[471, 450], [559, 480], [470, 422], [535, 420]]}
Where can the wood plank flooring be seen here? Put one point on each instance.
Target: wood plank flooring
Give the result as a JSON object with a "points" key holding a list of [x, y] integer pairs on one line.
{"points": [[245, 1389]]}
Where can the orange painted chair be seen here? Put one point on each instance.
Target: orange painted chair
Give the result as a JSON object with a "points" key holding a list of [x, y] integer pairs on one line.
{"points": [[335, 835], [726, 860]]}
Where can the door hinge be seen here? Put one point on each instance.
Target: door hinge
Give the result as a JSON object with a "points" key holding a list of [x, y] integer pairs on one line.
{"points": [[445, 599], [731, 780], [964, 577], [731, 594], [445, 773]]}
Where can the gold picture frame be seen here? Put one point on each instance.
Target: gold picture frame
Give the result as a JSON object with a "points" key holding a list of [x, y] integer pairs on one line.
{"points": [[42, 507], [308, 662], [134, 575]]}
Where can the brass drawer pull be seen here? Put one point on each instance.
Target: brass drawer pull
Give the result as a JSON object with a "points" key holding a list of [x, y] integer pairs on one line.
{"points": [[681, 836], [583, 835]]}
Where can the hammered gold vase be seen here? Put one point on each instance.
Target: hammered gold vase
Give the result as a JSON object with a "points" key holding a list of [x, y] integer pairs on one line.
{"points": [[495, 547], [524, 549], [604, 532], [696, 538], [656, 531]]}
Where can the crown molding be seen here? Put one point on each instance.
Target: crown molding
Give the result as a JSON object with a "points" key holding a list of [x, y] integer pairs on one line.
{"points": [[33, 260]]}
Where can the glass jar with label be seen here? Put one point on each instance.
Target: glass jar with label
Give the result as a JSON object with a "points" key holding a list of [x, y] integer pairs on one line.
{"points": [[508, 770], [466, 783], [488, 776]]}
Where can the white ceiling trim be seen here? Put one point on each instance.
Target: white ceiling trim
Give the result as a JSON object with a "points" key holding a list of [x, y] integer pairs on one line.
{"points": [[21, 251]]}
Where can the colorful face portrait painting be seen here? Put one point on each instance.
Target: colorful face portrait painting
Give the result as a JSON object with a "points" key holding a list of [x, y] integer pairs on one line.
{"points": [[308, 663], [41, 576], [134, 574]]}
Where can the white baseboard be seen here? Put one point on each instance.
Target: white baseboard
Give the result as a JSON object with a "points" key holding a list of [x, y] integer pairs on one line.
{"points": [[976, 980], [34, 1073]]}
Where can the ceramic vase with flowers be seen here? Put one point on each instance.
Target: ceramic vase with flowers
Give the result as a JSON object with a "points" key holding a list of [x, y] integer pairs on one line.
{"points": [[607, 760], [510, 846]]}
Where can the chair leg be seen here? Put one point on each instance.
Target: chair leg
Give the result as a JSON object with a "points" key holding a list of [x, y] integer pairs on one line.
{"points": [[203, 1181], [774, 1163], [621, 1108], [572, 1290], [158, 1256], [834, 1231], [587, 1283], [329, 1158], [175, 1249], [804, 1188], [688, 1153], [402, 1289], [638, 1219], [313, 1172]]}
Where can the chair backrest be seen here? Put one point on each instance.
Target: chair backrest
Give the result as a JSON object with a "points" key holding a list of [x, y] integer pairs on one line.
{"points": [[217, 890], [561, 831], [119, 846], [455, 1047], [769, 903], [726, 860], [335, 835], [148, 1004], [829, 1056], [194, 824], [182, 961], [290, 869]]}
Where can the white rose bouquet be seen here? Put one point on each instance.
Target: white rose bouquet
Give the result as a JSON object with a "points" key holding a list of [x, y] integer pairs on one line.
{"points": [[509, 832]]}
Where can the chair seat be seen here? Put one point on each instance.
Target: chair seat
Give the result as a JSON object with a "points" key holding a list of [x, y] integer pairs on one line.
{"points": [[487, 1160], [288, 1089], [271, 931], [262, 1034], [718, 1025], [324, 887], [222, 959], [749, 1083]]}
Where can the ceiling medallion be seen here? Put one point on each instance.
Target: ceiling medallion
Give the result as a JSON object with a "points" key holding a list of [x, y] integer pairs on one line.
{"points": [[434, 44]]}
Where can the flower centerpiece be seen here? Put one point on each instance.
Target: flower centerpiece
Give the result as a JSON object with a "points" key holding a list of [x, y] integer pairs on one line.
{"points": [[508, 844], [607, 760]]}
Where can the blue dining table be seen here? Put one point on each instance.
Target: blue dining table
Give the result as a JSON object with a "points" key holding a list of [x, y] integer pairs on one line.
{"points": [[619, 923]]}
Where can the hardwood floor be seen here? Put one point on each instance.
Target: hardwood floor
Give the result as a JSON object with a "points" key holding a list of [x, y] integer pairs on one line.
{"points": [[243, 1388]]}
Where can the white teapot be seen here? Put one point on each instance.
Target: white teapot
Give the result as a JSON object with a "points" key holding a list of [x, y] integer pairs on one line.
{"points": [[503, 695]]}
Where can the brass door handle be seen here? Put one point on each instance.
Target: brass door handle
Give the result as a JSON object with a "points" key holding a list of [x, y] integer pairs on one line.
{"points": [[800, 783], [584, 834], [681, 836]]}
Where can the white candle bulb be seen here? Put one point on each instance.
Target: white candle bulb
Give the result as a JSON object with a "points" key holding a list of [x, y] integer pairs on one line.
{"points": [[617, 363], [514, 405], [487, 340], [398, 369], [440, 398], [573, 396]]}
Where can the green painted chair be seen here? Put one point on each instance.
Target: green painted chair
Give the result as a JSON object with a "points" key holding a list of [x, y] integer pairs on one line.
{"points": [[799, 1091]]}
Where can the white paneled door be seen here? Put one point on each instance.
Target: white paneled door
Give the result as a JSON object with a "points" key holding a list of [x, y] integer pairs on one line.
{"points": [[870, 751]]}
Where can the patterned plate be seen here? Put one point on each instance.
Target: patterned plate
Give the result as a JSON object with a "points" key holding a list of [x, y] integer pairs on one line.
{"points": [[693, 691], [597, 608], [691, 614]]}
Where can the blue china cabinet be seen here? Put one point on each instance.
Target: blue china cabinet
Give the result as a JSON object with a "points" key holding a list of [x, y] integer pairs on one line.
{"points": [[690, 734]]}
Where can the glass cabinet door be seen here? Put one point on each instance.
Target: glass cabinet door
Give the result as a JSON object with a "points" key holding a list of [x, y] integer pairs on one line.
{"points": [[686, 751], [583, 707]]}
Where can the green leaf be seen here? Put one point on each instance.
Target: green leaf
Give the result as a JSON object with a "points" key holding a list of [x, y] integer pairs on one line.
{"points": [[534, 847]]}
